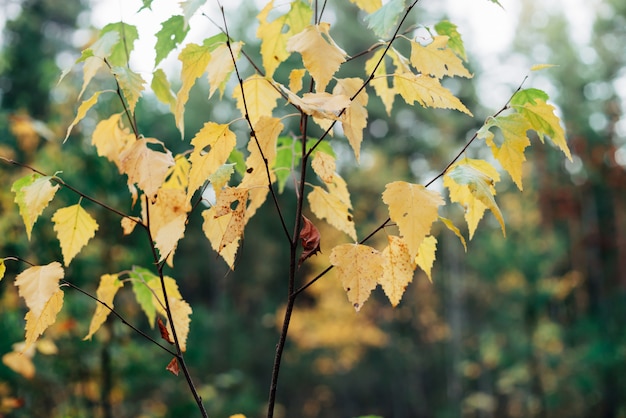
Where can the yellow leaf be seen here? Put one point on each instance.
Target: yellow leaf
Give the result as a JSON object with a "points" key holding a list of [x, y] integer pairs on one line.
{"points": [[47, 346], [538, 67], [214, 229], [315, 42], [178, 174], [3, 268], [511, 153], [158, 299], [413, 209], [354, 119], [398, 269], [37, 284], [448, 223], [110, 138], [330, 207], [319, 105], [437, 59], [339, 188], [221, 141], [131, 84], [273, 35], [20, 363], [427, 91], [260, 98], [470, 183], [295, 79], [108, 287], [33, 193], [37, 324], [369, 6], [74, 228], [180, 315], [221, 66], [195, 59], [360, 268], [144, 166], [82, 111], [168, 217], [380, 82], [237, 222], [426, 255], [324, 166]]}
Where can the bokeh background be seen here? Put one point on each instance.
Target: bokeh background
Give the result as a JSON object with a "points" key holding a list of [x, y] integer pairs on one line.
{"points": [[527, 326]]}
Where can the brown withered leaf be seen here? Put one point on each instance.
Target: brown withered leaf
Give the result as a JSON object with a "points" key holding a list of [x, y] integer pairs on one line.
{"points": [[173, 367], [310, 237], [164, 332]]}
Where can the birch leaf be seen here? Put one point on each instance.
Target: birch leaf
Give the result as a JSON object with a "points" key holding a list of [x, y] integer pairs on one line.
{"points": [[82, 111], [414, 209], [380, 82], [146, 167], [315, 42], [172, 33], [162, 89], [221, 66], [360, 268], [427, 91], [107, 289], [260, 98], [324, 166], [180, 315], [330, 207], [74, 228], [214, 229], [110, 138], [455, 42], [190, 7], [437, 59], [33, 193], [398, 269], [37, 324], [452, 227], [131, 84], [426, 255], [354, 119], [384, 20], [369, 6]]}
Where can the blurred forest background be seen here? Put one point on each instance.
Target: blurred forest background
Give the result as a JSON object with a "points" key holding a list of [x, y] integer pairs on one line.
{"points": [[531, 325]]}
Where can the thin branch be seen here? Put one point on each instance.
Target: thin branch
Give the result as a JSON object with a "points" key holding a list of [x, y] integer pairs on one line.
{"points": [[62, 183], [120, 317], [252, 131], [131, 116]]}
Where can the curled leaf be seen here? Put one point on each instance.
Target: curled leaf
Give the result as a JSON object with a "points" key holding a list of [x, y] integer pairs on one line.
{"points": [[310, 237], [164, 332], [173, 367]]}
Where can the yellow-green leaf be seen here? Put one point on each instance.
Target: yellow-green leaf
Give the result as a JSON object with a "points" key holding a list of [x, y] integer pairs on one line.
{"points": [[107, 289], [33, 193], [82, 111], [74, 228], [131, 84], [455, 42], [426, 255], [162, 89], [427, 91], [398, 269], [360, 267], [414, 209], [369, 6], [315, 42]]}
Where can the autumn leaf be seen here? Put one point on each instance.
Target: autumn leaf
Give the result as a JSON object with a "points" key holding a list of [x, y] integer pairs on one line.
{"points": [[167, 213], [220, 141], [82, 111], [144, 166], [180, 311], [380, 82], [436, 59], [414, 209], [274, 34], [531, 103], [178, 175], [39, 287], [173, 367], [295, 79], [427, 91], [220, 177], [214, 229], [452, 227], [20, 363], [121, 49], [360, 267], [369, 6], [314, 42], [33, 193], [319, 105], [74, 228], [471, 183], [131, 84], [94, 56], [227, 199], [310, 239], [107, 289], [455, 42], [162, 89], [221, 66], [3, 268], [324, 166], [260, 98], [354, 119], [426, 255], [398, 268], [149, 292], [110, 138], [165, 334], [510, 153], [331, 207]]}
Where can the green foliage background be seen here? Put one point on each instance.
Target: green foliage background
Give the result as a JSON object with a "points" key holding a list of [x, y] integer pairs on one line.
{"points": [[530, 325]]}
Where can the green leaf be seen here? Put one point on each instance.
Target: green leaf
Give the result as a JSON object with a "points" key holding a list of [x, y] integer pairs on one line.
{"points": [[239, 160], [162, 89], [455, 43], [172, 33], [121, 50], [531, 96], [147, 4], [140, 278], [383, 21], [131, 83], [288, 156], [190, 7]]}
